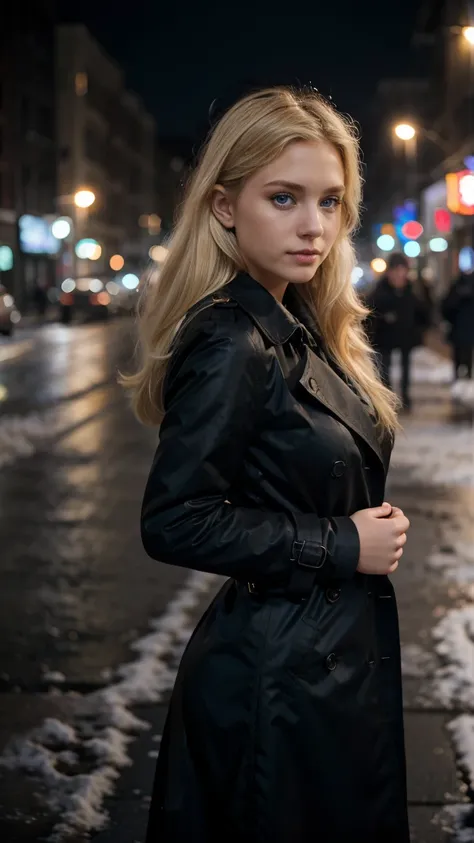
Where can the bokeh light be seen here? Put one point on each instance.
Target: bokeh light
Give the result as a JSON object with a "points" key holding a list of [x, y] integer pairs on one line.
{"points": [[356, 274], [378, 265], [412, 249], [84, 198], [130, 281], [386, 242], [95, 285], [158, 253], [116, 262], [68, 285], [88, 249], [61, 228], [466, 259], [438, 244]]}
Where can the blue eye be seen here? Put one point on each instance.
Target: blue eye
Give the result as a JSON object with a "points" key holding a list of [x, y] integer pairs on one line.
{"points": [[281, 200], [333, 201]]}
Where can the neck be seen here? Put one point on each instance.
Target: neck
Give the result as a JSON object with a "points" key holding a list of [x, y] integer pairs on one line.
{"points": [[276, 286]]}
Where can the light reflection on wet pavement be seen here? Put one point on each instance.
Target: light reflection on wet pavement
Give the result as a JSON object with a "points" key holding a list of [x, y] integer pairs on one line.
{"points": [[76, 585]]}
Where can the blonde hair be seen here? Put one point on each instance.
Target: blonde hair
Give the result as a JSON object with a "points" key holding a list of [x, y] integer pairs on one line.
{"points": [[204, 255]]}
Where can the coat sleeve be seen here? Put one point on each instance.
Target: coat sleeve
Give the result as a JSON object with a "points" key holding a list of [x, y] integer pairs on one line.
{"points": [[213, 407]]}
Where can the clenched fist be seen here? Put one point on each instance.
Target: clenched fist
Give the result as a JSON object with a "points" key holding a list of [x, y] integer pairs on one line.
{"points": [[382, 533]]}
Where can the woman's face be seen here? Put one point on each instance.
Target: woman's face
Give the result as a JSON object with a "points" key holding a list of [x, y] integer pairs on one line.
{"points": [[287, 216]]}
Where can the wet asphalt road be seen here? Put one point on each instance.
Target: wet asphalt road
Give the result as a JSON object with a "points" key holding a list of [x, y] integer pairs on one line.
{"points": [[76, 585]]}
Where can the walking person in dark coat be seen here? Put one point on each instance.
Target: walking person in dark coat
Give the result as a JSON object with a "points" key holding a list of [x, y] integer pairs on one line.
{"points": [[397, 321], [458, 310], [285, 723]]}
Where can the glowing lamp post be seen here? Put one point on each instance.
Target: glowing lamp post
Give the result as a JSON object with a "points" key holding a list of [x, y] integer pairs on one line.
{"points": [[405, 131], [468, 34], [84, 198]]}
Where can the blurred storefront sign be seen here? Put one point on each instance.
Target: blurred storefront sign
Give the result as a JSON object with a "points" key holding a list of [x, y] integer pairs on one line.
{"points": [[447, 230], [36, 237], [460, 192], [403, 214]]}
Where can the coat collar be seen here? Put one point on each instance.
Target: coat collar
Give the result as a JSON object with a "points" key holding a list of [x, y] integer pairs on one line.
{"points": [[272, 318], [321, 377]]}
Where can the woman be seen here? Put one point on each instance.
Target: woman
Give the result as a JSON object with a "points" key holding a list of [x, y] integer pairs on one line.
{"points": [[285, 723]]}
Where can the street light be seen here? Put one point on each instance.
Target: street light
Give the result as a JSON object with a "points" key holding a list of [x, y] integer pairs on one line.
{"points": [[405, 131], [84, 198], [468, 33]]}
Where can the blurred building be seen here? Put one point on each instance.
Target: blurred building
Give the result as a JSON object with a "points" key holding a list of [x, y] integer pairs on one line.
{"points": [[441, 31], [106, 144], [395, 167], [427, 173], [27, 147], [170, 178]]}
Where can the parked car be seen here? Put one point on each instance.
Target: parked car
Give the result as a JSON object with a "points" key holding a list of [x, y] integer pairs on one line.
{"points": [[9, 315], [94, 298]]}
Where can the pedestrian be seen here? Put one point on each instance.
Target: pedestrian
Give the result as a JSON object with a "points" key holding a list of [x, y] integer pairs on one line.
{"points": [[285, 722], [458, 310], [40, 297], [397, 321]]}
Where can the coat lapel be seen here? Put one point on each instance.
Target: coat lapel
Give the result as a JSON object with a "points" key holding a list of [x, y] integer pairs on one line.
{"points": [[320, 381], [323, 380]]}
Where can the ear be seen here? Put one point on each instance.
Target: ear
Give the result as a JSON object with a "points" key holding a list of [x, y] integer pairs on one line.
{"points": [[222, 206]]}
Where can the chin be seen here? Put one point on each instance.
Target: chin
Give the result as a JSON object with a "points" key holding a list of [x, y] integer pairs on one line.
{"points": [[302, 274]]}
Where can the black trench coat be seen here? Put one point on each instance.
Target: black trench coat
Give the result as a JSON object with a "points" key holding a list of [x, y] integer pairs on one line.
{"points": [[285, 724]]}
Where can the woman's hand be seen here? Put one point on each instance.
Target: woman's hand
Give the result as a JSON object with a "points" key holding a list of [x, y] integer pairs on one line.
{"points": [[382, 532]]}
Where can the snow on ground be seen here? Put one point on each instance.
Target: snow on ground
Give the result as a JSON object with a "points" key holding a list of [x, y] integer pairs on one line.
{"points": [[443, 455], [463, 391], [436, 454], [427, 367], [107, 725]]}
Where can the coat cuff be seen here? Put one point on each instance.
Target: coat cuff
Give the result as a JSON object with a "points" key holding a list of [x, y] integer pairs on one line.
{"points": [[322, 550]]}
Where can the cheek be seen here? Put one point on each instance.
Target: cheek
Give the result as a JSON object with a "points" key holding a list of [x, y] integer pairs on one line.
{"points": [[332, 229], [257, 227]]}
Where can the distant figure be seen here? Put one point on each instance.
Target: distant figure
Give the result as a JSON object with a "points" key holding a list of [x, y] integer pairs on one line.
{"points": [[397, 321], [40, 298], [458, 310]]}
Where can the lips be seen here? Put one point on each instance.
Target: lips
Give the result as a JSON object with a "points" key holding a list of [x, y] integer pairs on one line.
{"points": [[306, 252]]}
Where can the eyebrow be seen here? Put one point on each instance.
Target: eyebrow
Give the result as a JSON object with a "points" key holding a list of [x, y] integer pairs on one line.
{"points": [[338, 188]]}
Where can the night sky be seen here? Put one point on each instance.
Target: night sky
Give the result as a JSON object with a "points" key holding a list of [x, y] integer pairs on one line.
{"points": [[178, 56]]}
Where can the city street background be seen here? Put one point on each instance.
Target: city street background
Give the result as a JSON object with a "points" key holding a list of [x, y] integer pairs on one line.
{"points": [[102, 116]]}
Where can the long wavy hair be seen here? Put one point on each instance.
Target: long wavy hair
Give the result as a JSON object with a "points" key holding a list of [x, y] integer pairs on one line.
{"points": [[204, 255]]}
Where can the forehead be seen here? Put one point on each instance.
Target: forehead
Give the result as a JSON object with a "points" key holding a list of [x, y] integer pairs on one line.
{"points": [[309, 163]]}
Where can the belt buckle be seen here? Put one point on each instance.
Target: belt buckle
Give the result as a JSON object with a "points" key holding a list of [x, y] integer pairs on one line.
{"points": [[252, 588]]}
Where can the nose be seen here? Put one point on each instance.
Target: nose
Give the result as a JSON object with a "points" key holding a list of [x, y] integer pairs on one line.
{"points": [[311, 223]]}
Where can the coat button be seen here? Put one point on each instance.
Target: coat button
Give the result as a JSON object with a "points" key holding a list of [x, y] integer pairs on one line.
{"points": [[313, 385], [338, 468], [331, 661], [333, 594]]}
